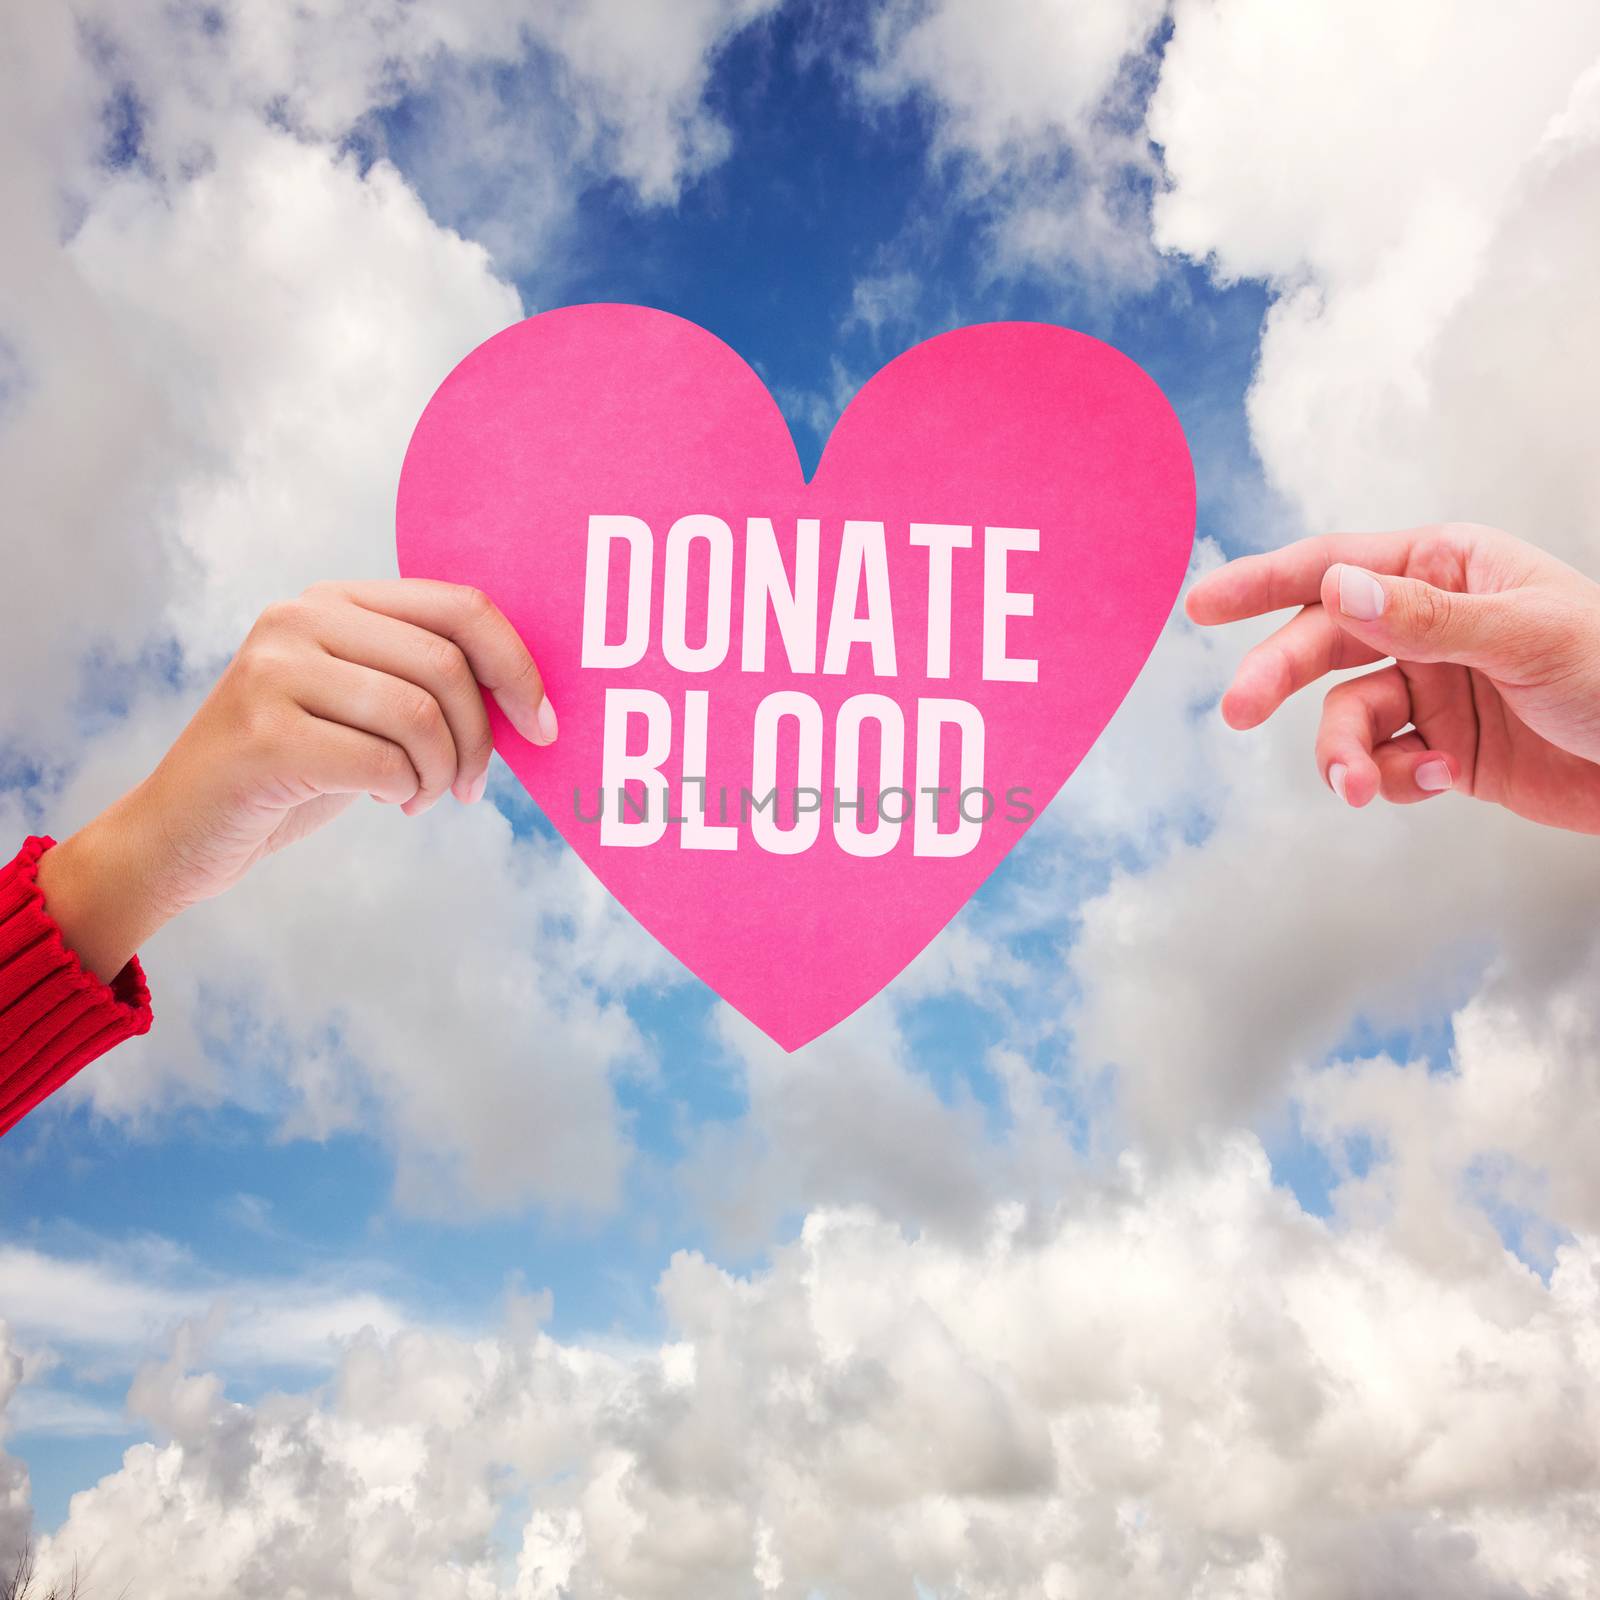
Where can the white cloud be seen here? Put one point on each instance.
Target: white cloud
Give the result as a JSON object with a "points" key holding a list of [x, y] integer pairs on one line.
{"points": [[901, 1147], [104, 1311], [16, 1515], [641, 67], [277, 301], [1036, 104], [1425, 203], [604, 88], [1207, 975], [1179, 1384], [217, 350], [1004, 75], [1510, 1119], [1432, 235]]}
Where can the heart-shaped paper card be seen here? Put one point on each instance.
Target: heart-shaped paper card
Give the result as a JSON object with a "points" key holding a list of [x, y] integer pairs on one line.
{"points": [[802, 722]]}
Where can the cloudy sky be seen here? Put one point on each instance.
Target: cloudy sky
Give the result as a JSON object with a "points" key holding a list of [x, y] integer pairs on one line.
{"points": [[1212, 1211]]}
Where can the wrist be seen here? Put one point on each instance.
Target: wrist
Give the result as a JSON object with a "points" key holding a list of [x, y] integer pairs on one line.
{"points": [[101, 886]]}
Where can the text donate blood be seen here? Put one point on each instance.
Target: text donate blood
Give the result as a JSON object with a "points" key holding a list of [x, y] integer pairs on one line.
{"points": [[897, 805]]}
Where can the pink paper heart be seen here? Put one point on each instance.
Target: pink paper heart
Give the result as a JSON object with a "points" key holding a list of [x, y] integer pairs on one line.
{"points": [[612, 411]]}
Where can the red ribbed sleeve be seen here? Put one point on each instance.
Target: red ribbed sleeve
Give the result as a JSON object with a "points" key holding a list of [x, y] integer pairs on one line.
{"points": [[55, 1015]]}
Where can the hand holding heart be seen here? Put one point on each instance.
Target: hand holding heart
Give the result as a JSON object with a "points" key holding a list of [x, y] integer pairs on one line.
{"points": [[358, 688], [1494, 685]]}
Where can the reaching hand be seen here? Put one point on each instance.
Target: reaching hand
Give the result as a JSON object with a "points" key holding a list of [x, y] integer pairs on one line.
{"points": [[354, 688], [1494, 686]]}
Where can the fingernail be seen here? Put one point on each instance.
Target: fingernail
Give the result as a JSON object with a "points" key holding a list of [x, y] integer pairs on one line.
{"points": [[1433, 776], [476, 787], [1360, 594], [545, 717], [1336, 777]]}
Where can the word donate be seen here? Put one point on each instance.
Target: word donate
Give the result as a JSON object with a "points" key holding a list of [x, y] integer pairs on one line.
{"points": [[801, 722]]}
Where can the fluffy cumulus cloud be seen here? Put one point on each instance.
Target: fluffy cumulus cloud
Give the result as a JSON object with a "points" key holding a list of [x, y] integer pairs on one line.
{"points": [[1426, 211], [1179, 1384], [1426, 206], [1038, 107], [193, 240], [220, 315], [15, 1514]]}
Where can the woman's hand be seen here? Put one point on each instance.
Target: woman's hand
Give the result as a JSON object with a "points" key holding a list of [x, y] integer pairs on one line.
{"points": [[1494, 687], [354, 688]]}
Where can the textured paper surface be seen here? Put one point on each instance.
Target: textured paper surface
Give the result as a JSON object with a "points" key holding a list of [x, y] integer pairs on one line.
{"points": [[620, 410]]}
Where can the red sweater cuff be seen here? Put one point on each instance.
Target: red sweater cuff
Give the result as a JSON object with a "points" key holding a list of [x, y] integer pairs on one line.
{"points": [[55, 1015]]}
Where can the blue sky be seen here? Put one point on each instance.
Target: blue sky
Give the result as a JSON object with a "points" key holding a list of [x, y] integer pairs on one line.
{"points": [[1249, 1105]]}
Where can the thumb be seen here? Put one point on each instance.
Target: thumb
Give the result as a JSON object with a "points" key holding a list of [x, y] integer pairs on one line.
{"points": [[1414, 621]]}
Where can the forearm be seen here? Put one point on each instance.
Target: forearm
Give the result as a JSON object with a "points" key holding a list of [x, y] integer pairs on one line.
{"points": [[99, 885], [56, 1013]]}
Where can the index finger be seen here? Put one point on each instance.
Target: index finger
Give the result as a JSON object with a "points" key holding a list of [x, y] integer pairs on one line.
{"points": [[1254, 585], [500, 661]]}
